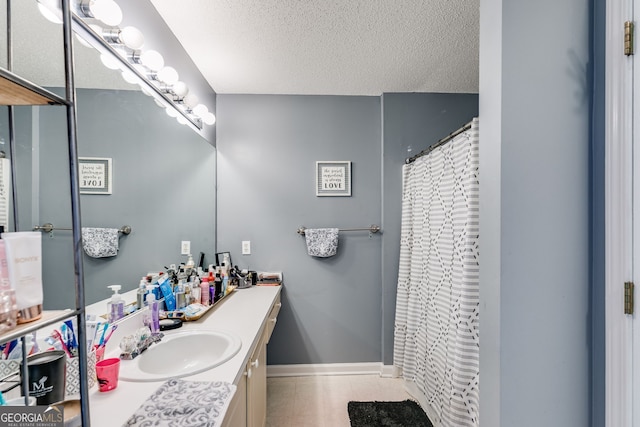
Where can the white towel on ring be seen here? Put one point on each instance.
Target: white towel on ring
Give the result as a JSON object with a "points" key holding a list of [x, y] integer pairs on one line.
{"points": [[321, 242], [100, 242]]}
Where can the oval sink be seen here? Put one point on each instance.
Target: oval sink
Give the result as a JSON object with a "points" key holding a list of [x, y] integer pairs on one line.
{"points": [[181, 354]]}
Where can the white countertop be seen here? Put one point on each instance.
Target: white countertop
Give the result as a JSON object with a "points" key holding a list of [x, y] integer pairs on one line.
{"points": [[243, 313]]}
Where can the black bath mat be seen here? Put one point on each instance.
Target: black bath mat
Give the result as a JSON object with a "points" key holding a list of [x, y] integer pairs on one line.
{"points": [[387, 414]]}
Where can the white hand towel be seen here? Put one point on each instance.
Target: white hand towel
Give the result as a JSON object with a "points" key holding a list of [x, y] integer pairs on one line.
{"points": [[100, 242], [322, 242], [185, 403]]}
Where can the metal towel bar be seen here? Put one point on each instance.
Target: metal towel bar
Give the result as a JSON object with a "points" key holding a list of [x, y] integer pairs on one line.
{"points": [[370, 229], [48, 228]]}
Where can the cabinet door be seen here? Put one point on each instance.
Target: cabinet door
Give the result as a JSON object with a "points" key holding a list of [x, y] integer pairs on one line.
{"points": [[236, 415], [257, 385], [273, 317]]}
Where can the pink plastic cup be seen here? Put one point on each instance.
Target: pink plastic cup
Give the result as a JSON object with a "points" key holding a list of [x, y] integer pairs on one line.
{"points": [[107, 371]]}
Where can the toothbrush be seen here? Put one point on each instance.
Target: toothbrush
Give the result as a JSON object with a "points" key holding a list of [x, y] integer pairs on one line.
{"points": [[113, 328], [106, 326], [57, 335]]}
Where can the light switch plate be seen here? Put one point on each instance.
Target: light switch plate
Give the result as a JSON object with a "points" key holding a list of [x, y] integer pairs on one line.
{"points": [[185, 247], [246, 247]]}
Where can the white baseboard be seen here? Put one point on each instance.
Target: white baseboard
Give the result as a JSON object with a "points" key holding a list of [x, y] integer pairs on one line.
{"points": [[372, 368]]}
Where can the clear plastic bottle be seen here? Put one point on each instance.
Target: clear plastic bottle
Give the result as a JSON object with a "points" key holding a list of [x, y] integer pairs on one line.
{"points": [[195, 292], [141, 295]]}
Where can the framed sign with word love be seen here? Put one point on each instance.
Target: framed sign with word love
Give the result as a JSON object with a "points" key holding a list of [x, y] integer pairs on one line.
{"points": [[95, 175], [333, 178]]}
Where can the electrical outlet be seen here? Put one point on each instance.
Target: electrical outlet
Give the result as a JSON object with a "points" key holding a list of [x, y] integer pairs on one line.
{"points": [[185, 247], [246, 247]]}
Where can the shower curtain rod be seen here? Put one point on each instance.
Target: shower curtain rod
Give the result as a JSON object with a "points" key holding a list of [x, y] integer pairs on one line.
{"points": [[439, 143]]}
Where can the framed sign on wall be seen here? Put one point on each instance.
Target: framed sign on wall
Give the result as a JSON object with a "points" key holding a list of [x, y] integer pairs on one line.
{"points": [[333, 178], [95, 175]]}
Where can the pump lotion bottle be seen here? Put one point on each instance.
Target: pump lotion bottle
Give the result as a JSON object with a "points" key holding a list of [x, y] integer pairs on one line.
{"points": [[115, 305]]}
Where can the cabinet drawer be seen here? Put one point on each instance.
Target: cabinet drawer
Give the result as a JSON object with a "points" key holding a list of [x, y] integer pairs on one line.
{"points": [[273, 317]]}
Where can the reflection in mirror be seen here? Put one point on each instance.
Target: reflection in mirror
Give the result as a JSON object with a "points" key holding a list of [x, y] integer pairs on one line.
{"points": [[163, 181]]}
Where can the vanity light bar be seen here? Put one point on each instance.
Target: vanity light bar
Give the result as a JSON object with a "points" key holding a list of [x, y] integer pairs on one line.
{"points": [[162, 97], [161, 82]]}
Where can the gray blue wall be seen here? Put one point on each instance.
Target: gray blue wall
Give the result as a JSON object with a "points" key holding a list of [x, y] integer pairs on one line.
{"points": [[267, 149], [163, 187], [340, 309], [416, 121], [535, 107]]}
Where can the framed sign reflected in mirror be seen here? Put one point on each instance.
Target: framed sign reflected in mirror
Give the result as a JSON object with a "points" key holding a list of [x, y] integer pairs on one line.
{"points": [[223, 258], [95, 175]]}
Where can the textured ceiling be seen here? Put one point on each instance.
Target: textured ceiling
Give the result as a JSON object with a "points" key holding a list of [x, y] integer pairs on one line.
{"points": [[332, 47]]}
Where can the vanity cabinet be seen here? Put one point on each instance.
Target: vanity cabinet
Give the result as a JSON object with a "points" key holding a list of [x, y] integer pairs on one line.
{"points": [[248, 407]]}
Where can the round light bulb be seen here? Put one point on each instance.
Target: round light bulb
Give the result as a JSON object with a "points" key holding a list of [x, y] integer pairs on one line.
{"points": [[209, 118], [171, 112], [129, 77], [51, 10], [180, 89], [168, 75], [159, 104], [190, 100], [109, 61], [181, 119], [152, 60], [131, 37], [106, 11], [200, 110]]}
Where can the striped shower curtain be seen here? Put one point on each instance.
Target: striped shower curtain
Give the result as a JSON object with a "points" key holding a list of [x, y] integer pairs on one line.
{"points": [[436, 346]]}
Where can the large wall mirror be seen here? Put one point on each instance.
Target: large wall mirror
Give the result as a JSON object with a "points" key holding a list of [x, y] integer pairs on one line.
{"points": [[163, 173]]}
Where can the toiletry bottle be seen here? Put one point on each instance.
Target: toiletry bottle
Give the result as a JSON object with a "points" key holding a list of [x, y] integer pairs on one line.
{"points": [[195, 292], [212, 293], [204, 291], [190, 263], [225, 284], [187, 294], [154, 309], [211, 278], [115, 306], [141, 295], [218, 286]]}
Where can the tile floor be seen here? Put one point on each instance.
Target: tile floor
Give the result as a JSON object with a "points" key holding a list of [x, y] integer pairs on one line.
{"points": [[321, 401]]}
